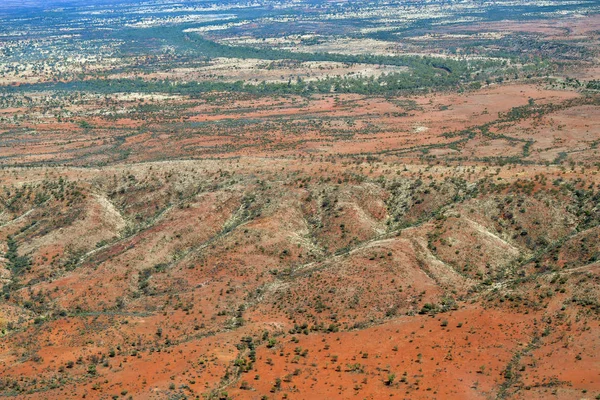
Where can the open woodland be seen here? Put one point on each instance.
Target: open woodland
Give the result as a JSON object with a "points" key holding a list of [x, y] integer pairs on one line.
{"points": [[300, 199]]}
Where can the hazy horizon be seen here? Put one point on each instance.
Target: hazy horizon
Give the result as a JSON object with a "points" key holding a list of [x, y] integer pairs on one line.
{"points": [[17, 5]]}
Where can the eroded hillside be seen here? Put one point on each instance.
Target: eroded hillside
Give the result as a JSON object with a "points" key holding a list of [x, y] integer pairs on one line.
{"points": [[274, 277]]}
